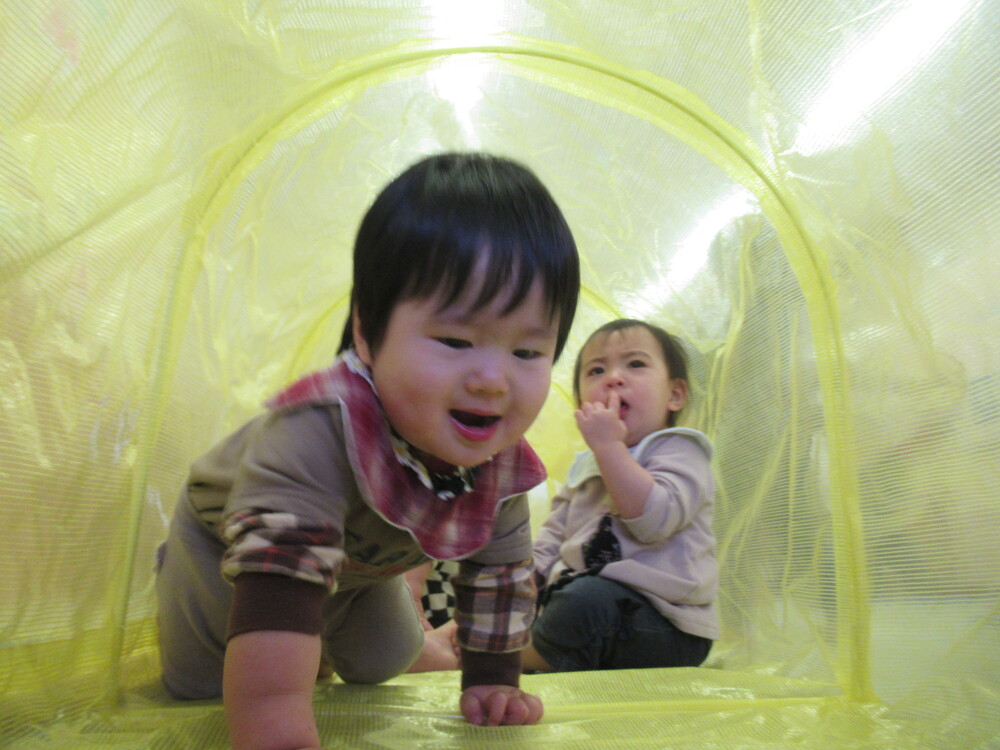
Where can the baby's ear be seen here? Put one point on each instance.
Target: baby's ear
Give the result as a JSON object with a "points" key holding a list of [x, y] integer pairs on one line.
{"points": [[678, 394], [360, 343]]}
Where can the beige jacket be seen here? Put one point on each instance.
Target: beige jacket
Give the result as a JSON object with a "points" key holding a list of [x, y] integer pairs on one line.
{"points": [[668, 552]]}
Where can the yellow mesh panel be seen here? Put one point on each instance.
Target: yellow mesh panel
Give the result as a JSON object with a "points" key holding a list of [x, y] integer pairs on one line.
{"points": [[805, 191]]}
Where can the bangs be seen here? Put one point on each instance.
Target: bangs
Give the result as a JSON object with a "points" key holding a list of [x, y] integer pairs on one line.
{"points": [[456, 220], [503, 236], [499, 272]]}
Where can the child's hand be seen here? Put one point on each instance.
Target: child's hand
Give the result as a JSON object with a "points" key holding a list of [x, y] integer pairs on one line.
{"points": [[601, 425], [492, 705]]}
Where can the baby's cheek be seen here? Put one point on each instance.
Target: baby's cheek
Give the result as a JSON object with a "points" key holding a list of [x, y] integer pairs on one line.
{"points": [[535, 398]]}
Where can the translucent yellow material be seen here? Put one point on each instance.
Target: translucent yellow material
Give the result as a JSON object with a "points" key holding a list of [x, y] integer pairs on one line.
{"points": [[806, 191]]}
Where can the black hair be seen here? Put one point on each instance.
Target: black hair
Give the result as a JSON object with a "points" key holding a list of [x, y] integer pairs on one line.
{"points": [[429, 228], [673, 353]]}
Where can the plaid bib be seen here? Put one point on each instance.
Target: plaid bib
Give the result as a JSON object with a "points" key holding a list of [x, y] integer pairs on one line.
{"points": [[444, 529]]}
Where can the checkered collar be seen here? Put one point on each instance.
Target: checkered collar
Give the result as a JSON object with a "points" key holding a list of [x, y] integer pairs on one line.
{"points": [[398, 486], [445, 486]]}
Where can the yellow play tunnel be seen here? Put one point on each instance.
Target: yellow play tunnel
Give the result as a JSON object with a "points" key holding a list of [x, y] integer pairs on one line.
{"points": [[807, 192]]}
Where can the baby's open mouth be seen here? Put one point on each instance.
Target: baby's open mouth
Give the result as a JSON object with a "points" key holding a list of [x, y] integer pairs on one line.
{"points": [[469, 419]]}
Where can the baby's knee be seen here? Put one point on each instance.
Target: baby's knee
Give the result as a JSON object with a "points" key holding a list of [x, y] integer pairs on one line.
{"points": [[374, 666], [368, 674], [186, 690]]}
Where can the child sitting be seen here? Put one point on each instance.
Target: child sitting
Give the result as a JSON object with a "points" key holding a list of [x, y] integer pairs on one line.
{"points": [[627, 555]]}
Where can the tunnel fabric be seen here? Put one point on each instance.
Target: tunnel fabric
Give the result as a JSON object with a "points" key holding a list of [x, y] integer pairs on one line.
{"points": [[804, 192]]}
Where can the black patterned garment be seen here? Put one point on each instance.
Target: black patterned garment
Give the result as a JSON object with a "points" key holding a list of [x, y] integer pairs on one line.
{"points": [[439, 596], [603, 547]]}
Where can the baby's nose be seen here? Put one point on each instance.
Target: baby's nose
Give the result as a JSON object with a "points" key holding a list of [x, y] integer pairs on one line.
{"points": [[614, 377], [489, 376]]}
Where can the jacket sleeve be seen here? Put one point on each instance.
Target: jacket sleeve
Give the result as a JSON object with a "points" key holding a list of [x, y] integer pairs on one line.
{"points": [[494, 609], [551, 535], [682, 483], [285, 513], [494, 590], [495, 600]]}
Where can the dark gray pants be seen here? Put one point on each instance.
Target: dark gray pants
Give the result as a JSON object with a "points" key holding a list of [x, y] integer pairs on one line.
{"points": [[595, 623]]}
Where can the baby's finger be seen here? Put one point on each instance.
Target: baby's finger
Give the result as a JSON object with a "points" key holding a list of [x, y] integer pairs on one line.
{"points": [[614, 402], [472, 708], [517, 710], [496, 709], [535, 708]]}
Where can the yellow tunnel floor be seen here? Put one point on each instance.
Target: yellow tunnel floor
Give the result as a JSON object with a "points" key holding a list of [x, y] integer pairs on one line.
{"points": [[700, 708], [704, 708]]}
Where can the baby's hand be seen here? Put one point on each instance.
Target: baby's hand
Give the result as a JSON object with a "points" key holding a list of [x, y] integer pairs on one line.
{"points": [[492, 705], [600, 424]]}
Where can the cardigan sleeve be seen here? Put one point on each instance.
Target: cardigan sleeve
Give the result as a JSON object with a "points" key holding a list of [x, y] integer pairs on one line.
{"points": [[549, 540], [682, 480]]}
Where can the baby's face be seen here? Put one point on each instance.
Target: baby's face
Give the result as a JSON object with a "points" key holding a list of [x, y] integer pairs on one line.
{"points": [[461, 386], [630, 362]]}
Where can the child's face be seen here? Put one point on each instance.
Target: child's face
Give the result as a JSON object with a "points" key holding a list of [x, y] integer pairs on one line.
{"points": [[630, 361], [461, 387]]}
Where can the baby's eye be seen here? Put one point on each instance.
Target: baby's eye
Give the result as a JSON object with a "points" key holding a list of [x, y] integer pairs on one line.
{"points": [[527, 354], [595, 371], [455, 343], [636, 363]]}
